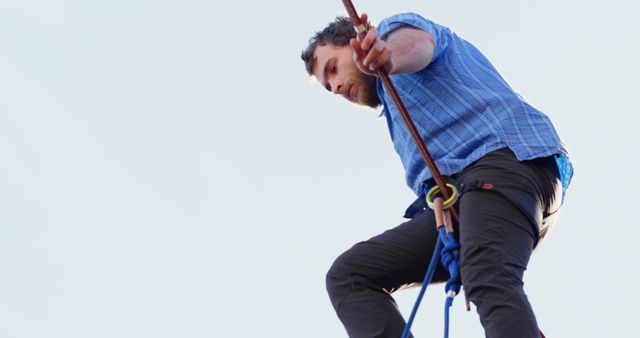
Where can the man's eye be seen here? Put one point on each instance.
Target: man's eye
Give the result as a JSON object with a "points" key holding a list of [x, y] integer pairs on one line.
{"points": [[334, 68]]}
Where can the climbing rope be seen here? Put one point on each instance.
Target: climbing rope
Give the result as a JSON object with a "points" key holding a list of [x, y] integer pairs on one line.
{"points": [[449, 258], [427, 279], [448, 249]]}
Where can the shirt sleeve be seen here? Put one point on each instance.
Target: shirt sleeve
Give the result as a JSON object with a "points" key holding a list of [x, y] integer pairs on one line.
{"points": [[439, 33]]}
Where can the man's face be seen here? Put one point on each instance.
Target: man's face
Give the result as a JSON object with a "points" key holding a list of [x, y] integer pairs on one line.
{"points": [[337, 72]]}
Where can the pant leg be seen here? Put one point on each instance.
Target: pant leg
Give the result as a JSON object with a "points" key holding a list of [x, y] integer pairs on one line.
{"points": [[496, 243], [361, 280], [499, 227]]}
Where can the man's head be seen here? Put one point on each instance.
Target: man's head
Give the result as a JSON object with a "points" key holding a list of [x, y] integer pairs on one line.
{"points": [[329, 58]]}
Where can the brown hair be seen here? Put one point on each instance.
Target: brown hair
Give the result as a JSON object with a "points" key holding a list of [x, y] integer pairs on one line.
{"points": [[337, 33]]}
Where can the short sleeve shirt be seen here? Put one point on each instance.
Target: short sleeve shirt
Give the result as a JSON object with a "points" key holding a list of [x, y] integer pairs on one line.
{"points": [[463, 109]]}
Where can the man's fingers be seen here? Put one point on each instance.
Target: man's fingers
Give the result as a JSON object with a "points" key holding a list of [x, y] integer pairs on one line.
{"points": [[386, 57], [358, 54], [372, 55], [364, 18], [364, 69], [363, 21], [383, 60], [357, 59], [357, 50], [378, 56], [369, 39]]}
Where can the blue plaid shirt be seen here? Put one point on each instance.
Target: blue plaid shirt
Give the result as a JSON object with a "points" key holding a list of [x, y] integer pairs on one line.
{"points": [[464, 109]]}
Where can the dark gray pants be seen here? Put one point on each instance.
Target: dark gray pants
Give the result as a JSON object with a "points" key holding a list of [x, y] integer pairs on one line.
{"points": [[499, 228]]}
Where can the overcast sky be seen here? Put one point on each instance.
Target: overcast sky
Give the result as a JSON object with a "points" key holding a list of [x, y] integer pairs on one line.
{"points": [[167, 168]]}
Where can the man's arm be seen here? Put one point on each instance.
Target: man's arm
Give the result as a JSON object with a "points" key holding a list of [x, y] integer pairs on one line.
{"points": [[404, 50], [411, 49]]}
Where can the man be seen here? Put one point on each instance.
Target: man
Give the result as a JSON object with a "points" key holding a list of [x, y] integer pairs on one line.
{"points": [[505, 154]]}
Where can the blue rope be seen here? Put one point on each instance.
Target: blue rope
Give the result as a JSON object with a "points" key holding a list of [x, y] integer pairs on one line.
{"points": [[447, 305], [449, 249], [450, 255], [425, 283]]}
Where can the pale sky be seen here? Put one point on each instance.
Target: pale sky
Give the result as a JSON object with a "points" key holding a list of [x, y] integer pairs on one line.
{"points": [[167, 168]]}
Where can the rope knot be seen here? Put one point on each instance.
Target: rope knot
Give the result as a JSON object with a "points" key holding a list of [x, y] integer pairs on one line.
{"points": [[449, 256]]}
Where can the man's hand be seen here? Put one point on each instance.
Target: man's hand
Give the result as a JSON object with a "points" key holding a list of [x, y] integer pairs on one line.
{"points": [[404, 50], [371, 53]]}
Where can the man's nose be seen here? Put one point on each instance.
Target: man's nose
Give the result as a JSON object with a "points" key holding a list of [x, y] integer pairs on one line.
{"points": [[336, 87]]}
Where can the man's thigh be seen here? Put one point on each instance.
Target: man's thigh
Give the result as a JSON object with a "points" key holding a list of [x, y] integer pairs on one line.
{"points": [[397, 258], [496, 240]]}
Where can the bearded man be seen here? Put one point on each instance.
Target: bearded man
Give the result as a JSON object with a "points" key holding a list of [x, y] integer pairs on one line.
{"points": [[504, 153]]}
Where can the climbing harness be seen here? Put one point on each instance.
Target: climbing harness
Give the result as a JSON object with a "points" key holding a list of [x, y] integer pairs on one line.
{"points": [[441, 198]]}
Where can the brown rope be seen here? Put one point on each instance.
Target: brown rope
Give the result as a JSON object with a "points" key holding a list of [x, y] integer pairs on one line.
{"points": [[415, 135]]}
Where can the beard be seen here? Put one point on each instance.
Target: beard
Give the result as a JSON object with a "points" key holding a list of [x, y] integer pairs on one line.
{"points": [[369, 90]]}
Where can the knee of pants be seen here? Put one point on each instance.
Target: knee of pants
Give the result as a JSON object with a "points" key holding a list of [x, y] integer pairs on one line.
{"points": [[486, 278], [342, 277]]}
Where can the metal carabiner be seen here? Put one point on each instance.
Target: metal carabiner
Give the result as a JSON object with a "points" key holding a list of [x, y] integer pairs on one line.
{"points": [[453, 198]]}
